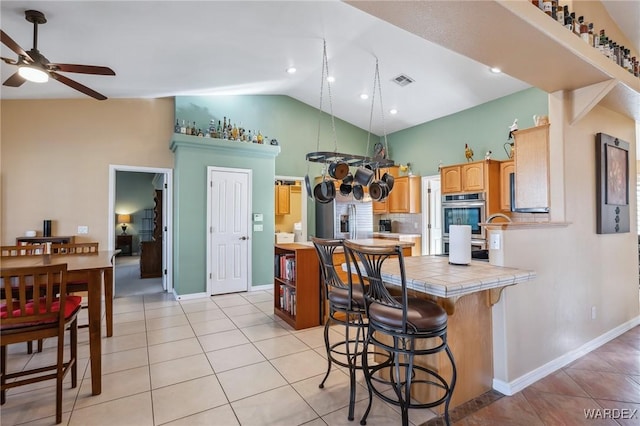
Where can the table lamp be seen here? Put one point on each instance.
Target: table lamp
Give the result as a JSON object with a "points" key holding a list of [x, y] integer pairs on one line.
{"points": [[123, 219]]}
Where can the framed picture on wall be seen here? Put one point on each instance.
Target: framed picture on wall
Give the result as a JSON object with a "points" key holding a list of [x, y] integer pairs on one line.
{"points": [[612, 186]]}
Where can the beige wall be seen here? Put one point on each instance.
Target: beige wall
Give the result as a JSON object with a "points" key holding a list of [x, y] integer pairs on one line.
{"points": [[55, 157], [576, 268]]}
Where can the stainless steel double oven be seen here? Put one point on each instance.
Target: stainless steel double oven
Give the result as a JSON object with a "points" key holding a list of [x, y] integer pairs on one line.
{"points": [[464, 209]]}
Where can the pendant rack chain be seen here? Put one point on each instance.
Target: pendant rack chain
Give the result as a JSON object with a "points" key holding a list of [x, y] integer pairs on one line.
{"points": [[323, 79], [376, 83]]}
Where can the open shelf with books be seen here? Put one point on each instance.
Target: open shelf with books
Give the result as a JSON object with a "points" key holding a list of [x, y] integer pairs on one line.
{"points": [[296, 285]]}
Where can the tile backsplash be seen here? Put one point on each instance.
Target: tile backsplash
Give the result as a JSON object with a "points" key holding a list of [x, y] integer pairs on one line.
{"points": [[401, 222]]}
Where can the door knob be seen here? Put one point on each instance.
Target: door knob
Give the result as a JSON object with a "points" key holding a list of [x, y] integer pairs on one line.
{"points": [[244, 238]]}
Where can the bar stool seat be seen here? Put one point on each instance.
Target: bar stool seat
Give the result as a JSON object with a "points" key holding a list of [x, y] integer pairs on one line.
{"points": [[422, 315], [405, 327]]}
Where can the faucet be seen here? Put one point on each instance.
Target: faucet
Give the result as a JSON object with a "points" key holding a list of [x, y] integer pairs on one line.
{"points": [[495, 215]]}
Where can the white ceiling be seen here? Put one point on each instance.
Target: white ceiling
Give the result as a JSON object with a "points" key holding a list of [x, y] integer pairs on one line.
{"points": [[172, 48]]}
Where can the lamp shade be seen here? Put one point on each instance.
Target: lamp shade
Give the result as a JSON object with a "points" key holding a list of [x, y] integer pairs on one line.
{"points": [[124, 218]]}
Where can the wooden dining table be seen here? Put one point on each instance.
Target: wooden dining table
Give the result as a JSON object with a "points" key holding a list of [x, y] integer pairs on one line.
{"points": [[96, 269]]}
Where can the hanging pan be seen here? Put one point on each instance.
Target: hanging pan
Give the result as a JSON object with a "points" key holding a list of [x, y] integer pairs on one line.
{"points": [[307, 184]]}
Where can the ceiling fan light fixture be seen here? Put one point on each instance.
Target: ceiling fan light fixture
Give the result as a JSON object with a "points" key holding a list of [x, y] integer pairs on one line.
{"points": [[33, 74]]}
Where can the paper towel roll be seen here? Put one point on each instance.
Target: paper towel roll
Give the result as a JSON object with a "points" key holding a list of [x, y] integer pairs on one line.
{"points": [[460, 244]]}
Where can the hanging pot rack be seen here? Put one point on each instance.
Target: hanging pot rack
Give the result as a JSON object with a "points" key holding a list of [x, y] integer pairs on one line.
{"points": [[325, 190], [351, 159]]}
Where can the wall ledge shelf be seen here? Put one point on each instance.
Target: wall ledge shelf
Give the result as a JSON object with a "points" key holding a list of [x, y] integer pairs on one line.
{"points": [[525, 225], [236, 147]]}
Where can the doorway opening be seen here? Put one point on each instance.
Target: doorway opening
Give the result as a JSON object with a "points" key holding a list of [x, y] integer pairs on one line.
{"points": [[146, 241], [294, 221]]}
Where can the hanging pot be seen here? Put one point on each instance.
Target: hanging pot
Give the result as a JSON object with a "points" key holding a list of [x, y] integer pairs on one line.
{"points": [[345, 188], [348, 179], [364, 176], [338, 170], [378, 190], [389, 180], [324, 191], [307, 184], [358, 192]]}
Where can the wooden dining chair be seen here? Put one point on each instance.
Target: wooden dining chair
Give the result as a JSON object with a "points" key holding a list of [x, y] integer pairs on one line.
{"points": [[47, 314], [27, 250]]}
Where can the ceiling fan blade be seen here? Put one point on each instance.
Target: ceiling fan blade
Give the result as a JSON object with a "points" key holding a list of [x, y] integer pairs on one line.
{"points": [[15, 80], [8, 41], [79, 87], [84, 69], [9, 61]]}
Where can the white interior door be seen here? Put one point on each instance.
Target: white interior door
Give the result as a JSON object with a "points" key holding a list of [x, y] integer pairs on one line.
{"points": [[229, 223], [435, 217]]}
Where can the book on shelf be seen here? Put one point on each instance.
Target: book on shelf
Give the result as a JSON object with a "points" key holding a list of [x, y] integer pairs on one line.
{"points": [[288, 299], [285, 266]]}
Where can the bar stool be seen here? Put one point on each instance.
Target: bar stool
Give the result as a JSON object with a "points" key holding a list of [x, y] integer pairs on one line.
{"points": [[346, 307], [402, 325]]}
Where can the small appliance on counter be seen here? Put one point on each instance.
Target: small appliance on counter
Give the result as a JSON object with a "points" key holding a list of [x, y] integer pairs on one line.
{"points": [[385, 225]]}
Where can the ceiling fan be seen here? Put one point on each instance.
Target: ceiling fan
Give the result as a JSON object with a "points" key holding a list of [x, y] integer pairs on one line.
{"points": [[33, 66]]}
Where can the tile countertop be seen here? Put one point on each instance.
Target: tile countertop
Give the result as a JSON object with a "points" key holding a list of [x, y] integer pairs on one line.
{"points": [[434, 275], [394, 235], [365, 241]]}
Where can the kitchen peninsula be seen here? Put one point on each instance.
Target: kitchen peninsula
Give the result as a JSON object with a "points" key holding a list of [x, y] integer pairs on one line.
{"points": [[467, 293]]}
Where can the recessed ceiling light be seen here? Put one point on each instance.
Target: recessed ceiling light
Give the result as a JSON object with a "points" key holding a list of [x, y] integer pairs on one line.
{"points": [[393, 111], [331, 79], [291, 70], [495, 70], [364, 96]]}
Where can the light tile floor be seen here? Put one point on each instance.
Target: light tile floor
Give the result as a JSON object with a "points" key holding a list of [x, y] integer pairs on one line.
{"points": [[227, 360], [224, 360]]}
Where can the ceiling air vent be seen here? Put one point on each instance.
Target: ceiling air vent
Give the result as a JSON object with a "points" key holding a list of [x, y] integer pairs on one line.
{"points": [[402, 80]]}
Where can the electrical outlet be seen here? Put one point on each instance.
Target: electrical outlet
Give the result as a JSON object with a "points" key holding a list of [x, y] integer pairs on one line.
{"points": [[415, 225], [257, 227], [83, 229], [593, 313]]}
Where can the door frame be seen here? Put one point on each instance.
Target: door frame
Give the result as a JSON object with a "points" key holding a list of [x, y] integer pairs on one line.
{"points": [[249, 218], [167, 216], [426, 233], [303, 201]]}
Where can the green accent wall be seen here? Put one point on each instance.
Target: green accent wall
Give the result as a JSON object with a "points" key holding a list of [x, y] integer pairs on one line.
{"points": [[484, 128], [295, 126], [192, 157]]}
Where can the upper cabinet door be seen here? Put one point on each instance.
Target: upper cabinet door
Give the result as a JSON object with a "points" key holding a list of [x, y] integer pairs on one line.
{"points": [[532, 168], [506, 168], [473, 177], [282, 200], [451, 179]]}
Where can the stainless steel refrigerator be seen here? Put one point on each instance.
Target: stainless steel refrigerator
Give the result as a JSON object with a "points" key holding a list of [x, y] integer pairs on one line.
{"points": [[345, 218]]}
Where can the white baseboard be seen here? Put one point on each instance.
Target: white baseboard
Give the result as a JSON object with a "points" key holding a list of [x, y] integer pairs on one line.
{"points": [[189, 296], [515, 386], [261, 287]]}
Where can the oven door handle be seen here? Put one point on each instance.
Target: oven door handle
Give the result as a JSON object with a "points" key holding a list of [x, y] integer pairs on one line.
{"points": [[463, 206]]}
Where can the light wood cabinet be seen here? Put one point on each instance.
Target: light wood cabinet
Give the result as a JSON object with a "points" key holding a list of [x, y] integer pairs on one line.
{"points": [[283, 199], [405, 197], [532, 168], [506, 168], [468, 177], [296, 285], [451, 179], [472, 176]]}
